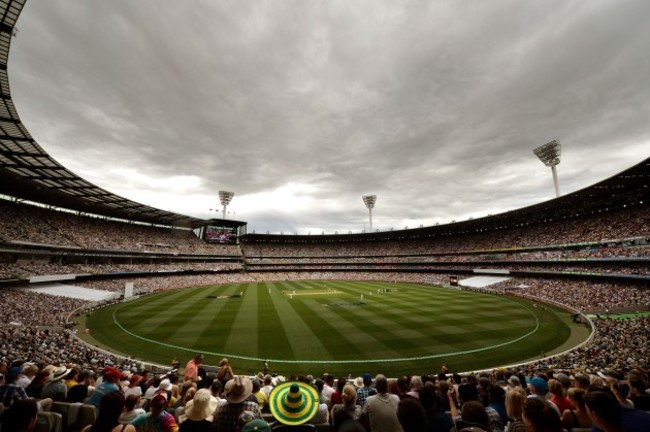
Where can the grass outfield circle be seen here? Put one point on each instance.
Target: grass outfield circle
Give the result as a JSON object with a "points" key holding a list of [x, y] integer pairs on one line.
{"points": [[337, 326]]}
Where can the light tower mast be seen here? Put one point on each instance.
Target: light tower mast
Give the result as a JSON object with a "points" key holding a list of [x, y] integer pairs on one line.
{"points": [[225, 198], [549, 154], [369, 201]]}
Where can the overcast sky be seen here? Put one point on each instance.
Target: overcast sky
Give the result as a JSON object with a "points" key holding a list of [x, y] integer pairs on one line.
{"points": [[301, 107]]}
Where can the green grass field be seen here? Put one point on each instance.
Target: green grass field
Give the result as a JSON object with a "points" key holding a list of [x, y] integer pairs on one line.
{"points": [[327, 327]]}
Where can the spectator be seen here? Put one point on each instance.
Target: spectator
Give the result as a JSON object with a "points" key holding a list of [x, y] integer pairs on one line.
{"points": [[268, 386], [514, 382], [515, 402], [70, 379], [237, 391], [380, 409], [366, 390], [497, 399], [621, 391], [472, 417], [11, 392], [411, 415], [80, 391], [225, 372], [20, 416], [323, 413], [559, 397], [348, 409], [109, 384], [188, 390], [293, 405], [56, 389], [609, 416], [469, 393], [538, 388], [260, 395], [540, 416], [577, 417], [337, 395], [638, 395], [328, 386], [192, 368], [199, 413], [134, 386], [112, 405], [437, 420], [416, 385], [131, 409], [35, 388], [215, 391], [157, 420]]}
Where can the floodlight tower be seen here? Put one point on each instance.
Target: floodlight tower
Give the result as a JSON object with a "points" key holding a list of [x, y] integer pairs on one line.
{"points": [[549, 154], [225, 198], [369, 201]]}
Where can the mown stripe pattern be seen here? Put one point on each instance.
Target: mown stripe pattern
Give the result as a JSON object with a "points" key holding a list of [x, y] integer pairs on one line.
{"points": [[334, 321]]}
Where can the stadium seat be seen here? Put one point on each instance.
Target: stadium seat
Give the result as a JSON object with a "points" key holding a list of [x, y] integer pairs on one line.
{"points": [[48, 422], [178, 412], [87, 416], [75, 416]]}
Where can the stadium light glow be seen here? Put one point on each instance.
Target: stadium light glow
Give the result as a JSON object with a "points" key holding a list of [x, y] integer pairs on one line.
{"points": [[369, 201], [549, 154], [225, 198]]}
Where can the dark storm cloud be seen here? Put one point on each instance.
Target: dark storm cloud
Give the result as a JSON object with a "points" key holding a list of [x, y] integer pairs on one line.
{"points": [[302, 107]]}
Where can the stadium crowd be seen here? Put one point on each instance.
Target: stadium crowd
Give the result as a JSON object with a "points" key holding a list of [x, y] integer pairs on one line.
{"points": [[39, 225], [131, 398], [25, 270], [640, 269], [558, 253], [585, 296], [35, 331], [603, 227], [29, 308], [612, 243]]}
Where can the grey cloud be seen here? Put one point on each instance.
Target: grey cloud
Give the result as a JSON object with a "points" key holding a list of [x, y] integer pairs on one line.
{"points": [[434, 106]]}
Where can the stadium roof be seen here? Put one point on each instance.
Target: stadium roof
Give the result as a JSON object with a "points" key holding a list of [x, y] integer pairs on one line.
{"points": [[28, 172]]}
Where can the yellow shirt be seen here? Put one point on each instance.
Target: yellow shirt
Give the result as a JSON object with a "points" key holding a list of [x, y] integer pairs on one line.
{"points": [[262, 399]]}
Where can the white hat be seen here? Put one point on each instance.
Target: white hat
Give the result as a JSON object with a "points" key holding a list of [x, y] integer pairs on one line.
{"points": [[59, 373], [165, 385], [201, 406]]}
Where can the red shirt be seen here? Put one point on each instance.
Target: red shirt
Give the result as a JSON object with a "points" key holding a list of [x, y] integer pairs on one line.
{"points": [[336, 398], [563, 403]]}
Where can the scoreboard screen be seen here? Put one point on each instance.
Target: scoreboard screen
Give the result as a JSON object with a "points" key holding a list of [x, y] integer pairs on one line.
{"points": [[220, 234]]}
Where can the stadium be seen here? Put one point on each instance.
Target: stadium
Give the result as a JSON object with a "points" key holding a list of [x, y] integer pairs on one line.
{"points": [[92, 279]]}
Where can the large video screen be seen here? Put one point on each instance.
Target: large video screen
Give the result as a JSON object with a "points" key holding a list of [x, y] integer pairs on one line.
{"points": [[219, 234]]}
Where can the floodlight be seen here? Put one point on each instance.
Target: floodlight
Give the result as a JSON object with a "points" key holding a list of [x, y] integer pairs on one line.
{"points": [[549, 154], [225, 198], [369, 201]]}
